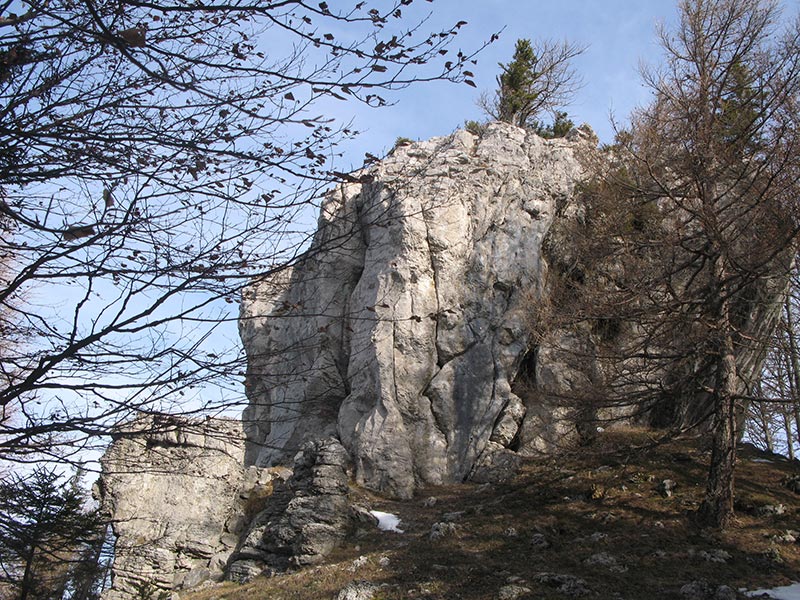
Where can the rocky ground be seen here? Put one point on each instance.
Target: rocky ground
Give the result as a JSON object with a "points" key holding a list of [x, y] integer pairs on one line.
{"points": [[610, 521]]}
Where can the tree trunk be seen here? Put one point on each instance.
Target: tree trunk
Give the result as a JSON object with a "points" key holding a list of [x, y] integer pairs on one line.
{"points": [[759, 413], [794, 360], [27, 577], [767, 433], [794, 372], [796, 409], [787, 428], [716, 509]]}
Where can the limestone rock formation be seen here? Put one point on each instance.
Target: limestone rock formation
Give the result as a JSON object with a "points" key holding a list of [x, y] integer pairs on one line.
{"points": [[404, 328], [178, 495], [407, 328], [399, 351]]}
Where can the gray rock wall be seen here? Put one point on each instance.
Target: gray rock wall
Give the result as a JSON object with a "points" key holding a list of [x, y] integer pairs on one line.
{"points": [[407, 328], [404, 328], [399, 352]]}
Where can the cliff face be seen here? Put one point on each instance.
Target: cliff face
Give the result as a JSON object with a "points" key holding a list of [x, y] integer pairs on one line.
{"points": [[403, 330]]}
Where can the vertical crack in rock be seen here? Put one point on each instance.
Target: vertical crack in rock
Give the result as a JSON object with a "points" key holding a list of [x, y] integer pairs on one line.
{"points": [[293, 327], [394, 360], [437, 437], [426, 218]]}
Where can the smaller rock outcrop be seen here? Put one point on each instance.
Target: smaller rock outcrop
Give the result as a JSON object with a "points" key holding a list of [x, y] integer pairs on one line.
{"points": [[306, 517], [178, 497], [185, 510]]}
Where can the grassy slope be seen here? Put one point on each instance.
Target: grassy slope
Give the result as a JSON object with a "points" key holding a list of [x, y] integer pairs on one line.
{"points": [[602, 499]]}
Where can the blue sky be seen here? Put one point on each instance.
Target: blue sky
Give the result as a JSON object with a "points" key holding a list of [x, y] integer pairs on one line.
{"points": [[620, 35]]}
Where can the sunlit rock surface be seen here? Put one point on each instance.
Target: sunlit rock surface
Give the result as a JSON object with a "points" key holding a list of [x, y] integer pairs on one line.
{"points": [[179, 498], [403, 330], [405, 348]]}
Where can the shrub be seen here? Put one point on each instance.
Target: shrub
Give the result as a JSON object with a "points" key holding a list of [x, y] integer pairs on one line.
{"points": [[475, 128], [402, 141]]}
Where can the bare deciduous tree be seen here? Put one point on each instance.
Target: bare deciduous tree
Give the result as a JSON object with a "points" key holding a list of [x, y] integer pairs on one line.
{"points": [[702, 201], [155, 158], [719, 147], [725, 110]]}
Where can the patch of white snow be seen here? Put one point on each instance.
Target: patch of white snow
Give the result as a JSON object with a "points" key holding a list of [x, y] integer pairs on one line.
{"points": [[760, 460], [787, 592], [387, 521]]}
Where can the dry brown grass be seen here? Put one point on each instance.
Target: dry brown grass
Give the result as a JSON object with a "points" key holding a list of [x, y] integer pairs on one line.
{"points": [[609, 490]]}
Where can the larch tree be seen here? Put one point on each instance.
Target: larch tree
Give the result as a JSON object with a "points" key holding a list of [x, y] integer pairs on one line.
{"points": [[715, 156], [683, 249]]}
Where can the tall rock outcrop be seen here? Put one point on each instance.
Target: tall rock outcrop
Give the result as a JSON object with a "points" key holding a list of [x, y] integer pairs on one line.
{"points": [[405, 348], [406, 331], [403, 329]]}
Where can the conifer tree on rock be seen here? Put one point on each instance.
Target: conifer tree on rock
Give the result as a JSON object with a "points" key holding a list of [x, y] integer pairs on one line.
{"points": [[538, 79]]}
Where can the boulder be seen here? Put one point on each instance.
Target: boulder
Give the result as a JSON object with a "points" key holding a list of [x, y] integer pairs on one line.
{"points": [[358, 590], [306, 517]]}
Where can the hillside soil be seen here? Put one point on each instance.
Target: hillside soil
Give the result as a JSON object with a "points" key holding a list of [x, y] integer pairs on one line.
{"points": [[613, 520]]}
